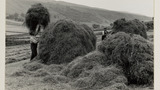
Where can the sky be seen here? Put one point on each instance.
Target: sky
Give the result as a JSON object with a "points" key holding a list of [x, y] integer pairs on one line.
{"points": [[142, 7]]}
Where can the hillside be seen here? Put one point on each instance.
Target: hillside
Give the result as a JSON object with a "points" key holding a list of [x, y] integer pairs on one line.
{"points": [[80, 13]]}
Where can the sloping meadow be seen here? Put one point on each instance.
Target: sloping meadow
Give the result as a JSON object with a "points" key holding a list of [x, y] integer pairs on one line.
{"points": [[121, 59]]}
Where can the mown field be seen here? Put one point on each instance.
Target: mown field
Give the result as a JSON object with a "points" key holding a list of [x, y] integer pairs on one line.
{"points": [[18, 53]]}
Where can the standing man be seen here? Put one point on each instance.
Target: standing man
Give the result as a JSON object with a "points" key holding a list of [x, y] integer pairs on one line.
{"points": [[37, 17], [34, 39], [105, 33]]}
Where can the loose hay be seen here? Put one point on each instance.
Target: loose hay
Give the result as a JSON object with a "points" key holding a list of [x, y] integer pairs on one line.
{"points": [[50, 80], [90, 72], [83, 83], [55, 79], [117, 86], [62, 79], [77, 67], [133, 53], [55, 68], [32, 66], [21, 73], [98, 78], [41, 73], [102, 77], [119, 79], [65, 40], [143, 73]]}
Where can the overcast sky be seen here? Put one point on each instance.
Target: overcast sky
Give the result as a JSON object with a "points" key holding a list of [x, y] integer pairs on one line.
{"points": [[143, 7]]}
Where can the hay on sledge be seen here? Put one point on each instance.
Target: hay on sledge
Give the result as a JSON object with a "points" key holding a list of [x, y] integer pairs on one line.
{"points": [[130, 26], [132, 53], [65, 40]]}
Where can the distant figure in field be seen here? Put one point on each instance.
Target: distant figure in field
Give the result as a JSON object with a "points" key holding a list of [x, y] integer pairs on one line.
{"points": [[37, 18], [105, 33]]}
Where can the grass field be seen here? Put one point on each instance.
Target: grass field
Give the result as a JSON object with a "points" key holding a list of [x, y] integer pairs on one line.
{"points": [[18, 53], [14, 28]]}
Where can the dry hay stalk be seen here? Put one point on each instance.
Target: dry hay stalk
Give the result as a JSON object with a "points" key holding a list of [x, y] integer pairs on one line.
{"points": [[132, 53], [65, 40]]}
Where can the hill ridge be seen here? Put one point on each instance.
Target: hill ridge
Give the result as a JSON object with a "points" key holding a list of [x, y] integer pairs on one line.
{"points": [[67, 10]]}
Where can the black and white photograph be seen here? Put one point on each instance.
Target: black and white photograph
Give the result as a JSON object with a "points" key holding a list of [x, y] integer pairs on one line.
{"points": [[79, 45]]}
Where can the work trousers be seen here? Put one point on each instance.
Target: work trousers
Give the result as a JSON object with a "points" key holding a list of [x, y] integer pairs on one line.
{"points": [[33, 50]]}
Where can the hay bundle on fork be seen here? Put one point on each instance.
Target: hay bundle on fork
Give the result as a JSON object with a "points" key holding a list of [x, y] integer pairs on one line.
{"points": [[37, 15]]}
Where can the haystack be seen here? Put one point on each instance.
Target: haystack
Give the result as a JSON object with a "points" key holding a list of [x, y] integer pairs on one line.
{"points": [[133, 53], [130, 26], [90, 31], [65, 40]]}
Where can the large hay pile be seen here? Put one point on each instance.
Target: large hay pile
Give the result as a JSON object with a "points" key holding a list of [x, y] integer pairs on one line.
{"points": [[119, 60], [133, 53], [65, 40], [130, 26]]}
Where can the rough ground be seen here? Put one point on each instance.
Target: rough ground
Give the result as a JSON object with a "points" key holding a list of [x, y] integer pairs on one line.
{"points": [[17, 53]]}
